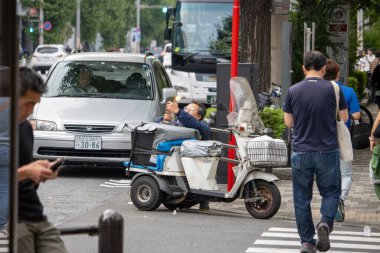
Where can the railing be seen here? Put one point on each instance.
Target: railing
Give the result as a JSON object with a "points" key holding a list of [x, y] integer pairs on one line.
{"points": [[110, 231]]}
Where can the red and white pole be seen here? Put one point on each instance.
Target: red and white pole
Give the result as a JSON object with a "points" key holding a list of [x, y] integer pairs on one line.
{"points": [[234, 72]]}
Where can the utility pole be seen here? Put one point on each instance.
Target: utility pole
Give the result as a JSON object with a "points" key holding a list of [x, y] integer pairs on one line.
{"points": [[41, 25], [77, 27], [138, 8]]}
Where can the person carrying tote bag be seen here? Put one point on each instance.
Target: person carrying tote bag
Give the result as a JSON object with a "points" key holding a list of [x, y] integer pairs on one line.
{"points": [[332, 74]]}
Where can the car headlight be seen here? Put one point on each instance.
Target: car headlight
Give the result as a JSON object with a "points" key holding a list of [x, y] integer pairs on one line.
{"points": [[181, 89], [43, 125]]}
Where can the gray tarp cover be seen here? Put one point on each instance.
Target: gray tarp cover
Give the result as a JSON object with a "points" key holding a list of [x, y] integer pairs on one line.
{"points": [[169, 133], [194, 148]]}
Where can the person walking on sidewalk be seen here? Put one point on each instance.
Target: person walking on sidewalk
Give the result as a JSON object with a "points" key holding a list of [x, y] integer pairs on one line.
{"points": [[310, 107], [332, 74]]}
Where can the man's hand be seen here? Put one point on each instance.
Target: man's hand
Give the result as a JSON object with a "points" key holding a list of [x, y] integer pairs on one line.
{"points": [[38, 171], [172, 107]]}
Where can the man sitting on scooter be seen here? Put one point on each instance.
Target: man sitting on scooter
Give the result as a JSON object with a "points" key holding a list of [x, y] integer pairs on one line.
{"points": [[191, 116]]}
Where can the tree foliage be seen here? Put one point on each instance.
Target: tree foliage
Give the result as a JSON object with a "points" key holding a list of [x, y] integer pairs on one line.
{"points": [[111, 18], [319, 11], [59, 13]]}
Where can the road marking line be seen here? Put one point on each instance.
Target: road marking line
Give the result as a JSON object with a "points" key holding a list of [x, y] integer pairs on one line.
{"points": [[110, 183], [276, 229], [114, 186], [297, 243], [332, 237], [273, 250]]}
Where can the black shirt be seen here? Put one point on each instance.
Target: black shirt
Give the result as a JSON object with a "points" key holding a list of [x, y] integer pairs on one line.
{"points": [[29, 207]]}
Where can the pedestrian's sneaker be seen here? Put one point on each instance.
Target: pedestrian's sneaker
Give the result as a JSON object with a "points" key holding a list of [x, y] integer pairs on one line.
{"points": [[323, 242], [308, 248], [340, 214], [4, 233]]}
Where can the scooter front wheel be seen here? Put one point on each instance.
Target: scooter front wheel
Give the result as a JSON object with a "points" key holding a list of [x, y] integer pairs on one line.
{"points": [[146, 194], [266, 203]]}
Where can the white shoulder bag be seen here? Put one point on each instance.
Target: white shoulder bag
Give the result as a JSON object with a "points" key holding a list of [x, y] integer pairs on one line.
{"points": [[344, 137]]}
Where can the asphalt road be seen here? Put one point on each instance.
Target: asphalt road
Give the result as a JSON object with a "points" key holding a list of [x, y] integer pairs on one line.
{"points": [[80, 195]]}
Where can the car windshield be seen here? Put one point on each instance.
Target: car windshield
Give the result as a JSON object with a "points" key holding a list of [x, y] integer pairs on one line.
{"points": [[105, 79], [47, 50]]}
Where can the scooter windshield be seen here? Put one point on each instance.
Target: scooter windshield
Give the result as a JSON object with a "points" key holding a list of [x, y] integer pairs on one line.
{"points": [[244, 107]]}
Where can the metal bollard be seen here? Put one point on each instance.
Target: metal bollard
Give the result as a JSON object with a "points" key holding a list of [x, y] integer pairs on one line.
{"points": [[111, 228]]}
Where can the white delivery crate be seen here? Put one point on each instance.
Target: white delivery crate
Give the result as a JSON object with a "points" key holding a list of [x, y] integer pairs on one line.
{"points": [[265, 151]]}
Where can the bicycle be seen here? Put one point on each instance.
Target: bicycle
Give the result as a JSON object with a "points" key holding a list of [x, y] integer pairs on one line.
{"points": [[271, 98], [366, 116]]}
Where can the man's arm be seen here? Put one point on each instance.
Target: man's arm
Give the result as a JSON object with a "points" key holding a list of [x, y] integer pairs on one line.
{"points": [[289, 119], [189, 121]]}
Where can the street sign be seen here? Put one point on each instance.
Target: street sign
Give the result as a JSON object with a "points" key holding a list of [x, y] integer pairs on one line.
{"points": [[339, 27], [136, 34], [47, 26]]}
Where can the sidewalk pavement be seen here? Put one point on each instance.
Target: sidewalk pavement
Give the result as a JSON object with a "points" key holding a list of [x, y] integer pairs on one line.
{"points": [[362, 205]]}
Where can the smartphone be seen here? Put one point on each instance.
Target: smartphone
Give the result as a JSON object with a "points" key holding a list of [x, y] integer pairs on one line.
{"points": [[56, 164]]}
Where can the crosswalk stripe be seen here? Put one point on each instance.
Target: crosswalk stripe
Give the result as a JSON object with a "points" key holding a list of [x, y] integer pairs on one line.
{"points": [[272, 250], [115, 186], [117, 183], [332, 237], [110, 183], [297, 243], [286, 240], [122, 181], [294, 230]]}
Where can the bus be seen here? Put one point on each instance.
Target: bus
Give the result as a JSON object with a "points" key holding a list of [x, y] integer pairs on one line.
{"points": [[201, 38]]}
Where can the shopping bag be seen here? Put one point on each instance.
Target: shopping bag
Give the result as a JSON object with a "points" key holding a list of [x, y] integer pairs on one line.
{"points": [[344, 138], [360, 135]]}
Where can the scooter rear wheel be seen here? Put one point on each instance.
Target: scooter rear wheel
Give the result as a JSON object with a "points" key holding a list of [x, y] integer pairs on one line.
{"points": [[267, 202], [146, 194]]}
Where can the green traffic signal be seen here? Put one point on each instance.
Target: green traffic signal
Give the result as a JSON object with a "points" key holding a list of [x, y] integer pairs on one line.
{"points": [[164, 9], [31, 29]]}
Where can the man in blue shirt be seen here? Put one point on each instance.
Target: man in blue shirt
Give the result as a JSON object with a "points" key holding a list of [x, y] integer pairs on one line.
{"points": [[310, 107], [332, 73], [192, 116]]}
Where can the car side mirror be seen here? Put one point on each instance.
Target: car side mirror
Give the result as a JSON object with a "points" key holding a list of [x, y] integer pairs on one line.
{"points": [[168, 94]]}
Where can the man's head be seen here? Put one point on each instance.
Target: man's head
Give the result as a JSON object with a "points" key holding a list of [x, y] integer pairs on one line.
{"points": [[195, 109], [314, 60], [31, 89], [332, 70], [85, 77], [369, 51]]}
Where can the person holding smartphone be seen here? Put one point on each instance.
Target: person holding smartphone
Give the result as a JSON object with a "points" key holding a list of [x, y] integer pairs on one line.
{"points": [[34, 232]]}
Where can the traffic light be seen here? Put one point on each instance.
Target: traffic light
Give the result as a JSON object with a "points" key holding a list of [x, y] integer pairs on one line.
{"points": [[164, 9], [31, 29]]}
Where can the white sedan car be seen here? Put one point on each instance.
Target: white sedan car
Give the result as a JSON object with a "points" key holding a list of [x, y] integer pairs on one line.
{"points": [[46, 55], [90, 98]]}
